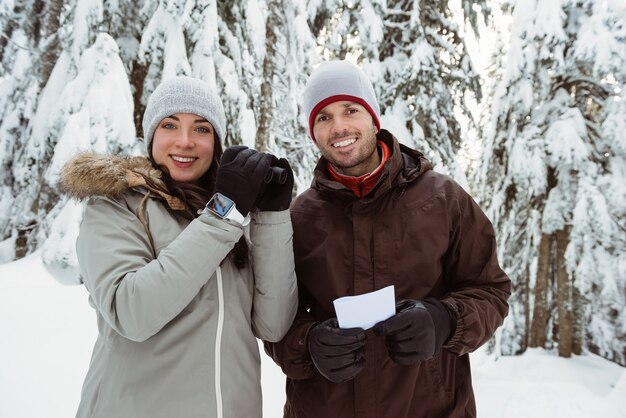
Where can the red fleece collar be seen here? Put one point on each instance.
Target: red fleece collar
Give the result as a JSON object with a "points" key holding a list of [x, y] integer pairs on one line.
{"points": [[361, 186]]}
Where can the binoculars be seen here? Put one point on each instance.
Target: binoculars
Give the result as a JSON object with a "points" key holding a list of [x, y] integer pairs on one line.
{"points": [[275, 175]]}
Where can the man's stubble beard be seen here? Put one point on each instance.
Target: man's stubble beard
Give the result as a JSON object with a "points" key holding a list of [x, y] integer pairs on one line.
{"points": [[363, 155]]}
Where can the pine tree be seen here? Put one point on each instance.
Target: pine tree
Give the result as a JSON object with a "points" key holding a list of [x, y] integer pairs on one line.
{"points": [[240, 69], [290, 54], [31, 38], [76, 75], [50, 110], [126, 23], [74, 88], [549, 165]]}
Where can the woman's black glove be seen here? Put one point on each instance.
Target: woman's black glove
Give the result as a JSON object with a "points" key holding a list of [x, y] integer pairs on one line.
{"points": [[338, 354], [417, 330], [276, 196], [240, 176]]}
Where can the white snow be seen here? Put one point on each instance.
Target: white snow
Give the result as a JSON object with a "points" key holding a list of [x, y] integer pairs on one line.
{"points": [[48, 330]]}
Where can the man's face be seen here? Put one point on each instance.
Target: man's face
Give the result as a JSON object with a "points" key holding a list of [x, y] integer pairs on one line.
{"points": [[345, 134]]}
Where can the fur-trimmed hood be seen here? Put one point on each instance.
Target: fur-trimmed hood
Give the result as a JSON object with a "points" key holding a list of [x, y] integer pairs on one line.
{"points": [[89, 175]]}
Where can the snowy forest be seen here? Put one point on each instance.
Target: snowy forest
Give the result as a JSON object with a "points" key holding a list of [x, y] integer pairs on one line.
{"points": [[523, 102]]}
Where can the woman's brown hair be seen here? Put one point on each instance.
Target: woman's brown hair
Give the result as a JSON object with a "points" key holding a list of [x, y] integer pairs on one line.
{"points": [[196, 196]]}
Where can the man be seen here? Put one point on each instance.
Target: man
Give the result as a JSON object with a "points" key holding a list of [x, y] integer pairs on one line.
{"points": [[377, 215]]}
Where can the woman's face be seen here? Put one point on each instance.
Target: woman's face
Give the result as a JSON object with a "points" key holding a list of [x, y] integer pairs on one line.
{"points": [[184, 142]]}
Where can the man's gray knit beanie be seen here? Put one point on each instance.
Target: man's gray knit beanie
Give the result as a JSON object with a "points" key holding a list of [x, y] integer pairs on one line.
{"points": [[333, 81], [183, 95]]}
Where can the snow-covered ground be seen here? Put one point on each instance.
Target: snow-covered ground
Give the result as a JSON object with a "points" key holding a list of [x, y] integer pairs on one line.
{"points": [[47, 331]]}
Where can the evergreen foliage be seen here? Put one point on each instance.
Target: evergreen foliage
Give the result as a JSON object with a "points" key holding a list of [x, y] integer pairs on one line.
{"points": [[76, 74], [552, 175]]}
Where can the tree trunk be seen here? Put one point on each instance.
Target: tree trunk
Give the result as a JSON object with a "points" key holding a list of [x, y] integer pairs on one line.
{"points": [[538, 328], [525, 291], [564, 295], [137, 79], [266, 102], [51, 45], [577, 321]]}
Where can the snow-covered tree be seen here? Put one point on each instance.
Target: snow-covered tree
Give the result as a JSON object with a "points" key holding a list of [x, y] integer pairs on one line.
{"points": [[289, 58], [19, 88], [76, 75], [94, 112], [33, 75], [242, 46], [552, 175]]}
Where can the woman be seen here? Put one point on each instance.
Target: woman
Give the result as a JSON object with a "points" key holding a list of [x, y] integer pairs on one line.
{"points": [[180, 295]]}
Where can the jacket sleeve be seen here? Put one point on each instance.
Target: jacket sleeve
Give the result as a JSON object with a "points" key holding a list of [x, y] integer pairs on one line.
{"points": [[275, 298], [135, 293], [478, 288], [291, 353]]}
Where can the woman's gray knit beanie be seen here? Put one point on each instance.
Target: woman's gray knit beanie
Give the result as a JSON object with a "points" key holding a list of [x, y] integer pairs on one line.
{"points": [[183, 95]]}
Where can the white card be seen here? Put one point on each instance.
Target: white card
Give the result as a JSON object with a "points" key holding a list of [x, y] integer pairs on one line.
{"points": [[365, 311]]}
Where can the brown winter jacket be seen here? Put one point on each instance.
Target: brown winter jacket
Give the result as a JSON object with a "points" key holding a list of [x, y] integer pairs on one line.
{"points": [[417, 230]]}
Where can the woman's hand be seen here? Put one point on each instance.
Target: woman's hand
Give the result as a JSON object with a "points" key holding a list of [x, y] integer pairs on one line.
{"points": [[277, 196], [240, 176]]}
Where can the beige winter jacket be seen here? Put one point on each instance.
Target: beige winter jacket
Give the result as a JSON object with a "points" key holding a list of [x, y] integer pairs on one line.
{"points": [[177, 320]]}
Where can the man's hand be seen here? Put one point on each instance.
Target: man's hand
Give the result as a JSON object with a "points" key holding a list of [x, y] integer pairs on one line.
{"points": [[417, 330], [338, 354]]}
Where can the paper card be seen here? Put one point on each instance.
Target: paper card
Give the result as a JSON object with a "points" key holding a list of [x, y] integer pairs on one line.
{"points": [[365, 311]]}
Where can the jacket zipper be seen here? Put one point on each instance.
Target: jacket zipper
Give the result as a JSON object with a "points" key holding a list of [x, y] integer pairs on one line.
{"points": [[218, 344]]}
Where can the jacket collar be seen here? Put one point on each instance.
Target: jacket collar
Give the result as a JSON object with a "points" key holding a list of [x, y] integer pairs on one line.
{"points": [[403, 166], [89, 175], [362, 185]]}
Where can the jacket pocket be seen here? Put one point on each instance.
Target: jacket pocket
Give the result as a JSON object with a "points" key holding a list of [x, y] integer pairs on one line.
{"points": [[442, 369]]}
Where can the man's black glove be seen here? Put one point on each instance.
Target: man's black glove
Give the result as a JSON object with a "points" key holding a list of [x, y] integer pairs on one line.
{"points": [[276, 196], [338, 354], [240, 176], [417, 330]]}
